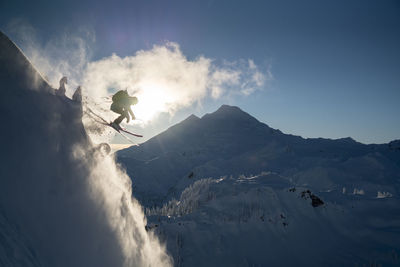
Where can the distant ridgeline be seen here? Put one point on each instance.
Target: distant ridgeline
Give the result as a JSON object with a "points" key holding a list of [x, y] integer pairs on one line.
{"points": [[231, 142]]}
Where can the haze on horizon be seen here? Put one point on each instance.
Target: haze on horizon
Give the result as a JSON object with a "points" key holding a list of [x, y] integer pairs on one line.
{"points": [[315, 68]]}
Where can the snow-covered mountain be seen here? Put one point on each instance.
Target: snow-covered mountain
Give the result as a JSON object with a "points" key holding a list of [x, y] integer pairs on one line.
{"points": [[228, 190], [231, 142], [63, 201]]}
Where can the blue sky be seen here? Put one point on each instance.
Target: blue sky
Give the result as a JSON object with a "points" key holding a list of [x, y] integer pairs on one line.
{"points": [[335, 64]]}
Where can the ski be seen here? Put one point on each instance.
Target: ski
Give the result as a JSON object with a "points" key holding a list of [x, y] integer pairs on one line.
{"points": [[127, 138], [128, 132], [118, 128]]}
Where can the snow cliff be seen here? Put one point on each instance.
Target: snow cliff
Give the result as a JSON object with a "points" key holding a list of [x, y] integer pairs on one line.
{"points": [[63, 202]]}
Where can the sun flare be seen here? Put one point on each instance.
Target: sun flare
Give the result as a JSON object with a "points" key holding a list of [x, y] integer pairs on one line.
{"points": [[152, 100]]}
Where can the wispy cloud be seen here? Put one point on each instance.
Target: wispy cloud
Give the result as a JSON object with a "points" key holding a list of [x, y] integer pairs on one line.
{"points": [[165, 80]]}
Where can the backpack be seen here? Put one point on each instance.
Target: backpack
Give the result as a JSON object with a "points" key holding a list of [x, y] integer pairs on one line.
{"points": [[120, 95]]}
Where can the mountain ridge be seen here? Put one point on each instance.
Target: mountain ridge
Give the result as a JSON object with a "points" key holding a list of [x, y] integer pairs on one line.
{"points": [[229, 187], [229, 141], [236, 115]]}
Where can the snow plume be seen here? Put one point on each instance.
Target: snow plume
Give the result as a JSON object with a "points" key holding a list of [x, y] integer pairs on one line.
{"points": [[165, 80], [64, 55], [111, 187]]}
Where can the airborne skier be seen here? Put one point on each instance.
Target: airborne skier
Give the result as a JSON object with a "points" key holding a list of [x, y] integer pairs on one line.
{"points": [[122, 102]]}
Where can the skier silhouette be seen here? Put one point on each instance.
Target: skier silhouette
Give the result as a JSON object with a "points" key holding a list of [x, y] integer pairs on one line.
{"points": [[122, 102]]}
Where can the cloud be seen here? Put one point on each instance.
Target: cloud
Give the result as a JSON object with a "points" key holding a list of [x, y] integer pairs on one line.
{"points": [[165, 80], [221, 78], [162, 78], [255, 79]]}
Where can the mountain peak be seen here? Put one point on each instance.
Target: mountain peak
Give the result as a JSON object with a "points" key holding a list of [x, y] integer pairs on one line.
{"points": [[192, 118], [229, 110], [188, 122], [347, 140], [226, 112], [225, 108]]}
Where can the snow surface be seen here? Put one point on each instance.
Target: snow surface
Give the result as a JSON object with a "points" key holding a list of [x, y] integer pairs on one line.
{"points": [[253, 221], [63, 201], [228, 190]]}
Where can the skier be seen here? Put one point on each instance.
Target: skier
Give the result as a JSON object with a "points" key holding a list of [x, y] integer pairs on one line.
{"points": [[122, 105], [61, 90]]}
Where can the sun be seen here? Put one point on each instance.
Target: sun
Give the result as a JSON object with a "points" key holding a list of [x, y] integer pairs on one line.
{"points": [[152, 100]]}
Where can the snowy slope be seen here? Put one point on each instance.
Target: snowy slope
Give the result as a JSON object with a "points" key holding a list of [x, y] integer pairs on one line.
{"points": [[260, 221], [231, 142], [227, 190], [63, 202]]}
